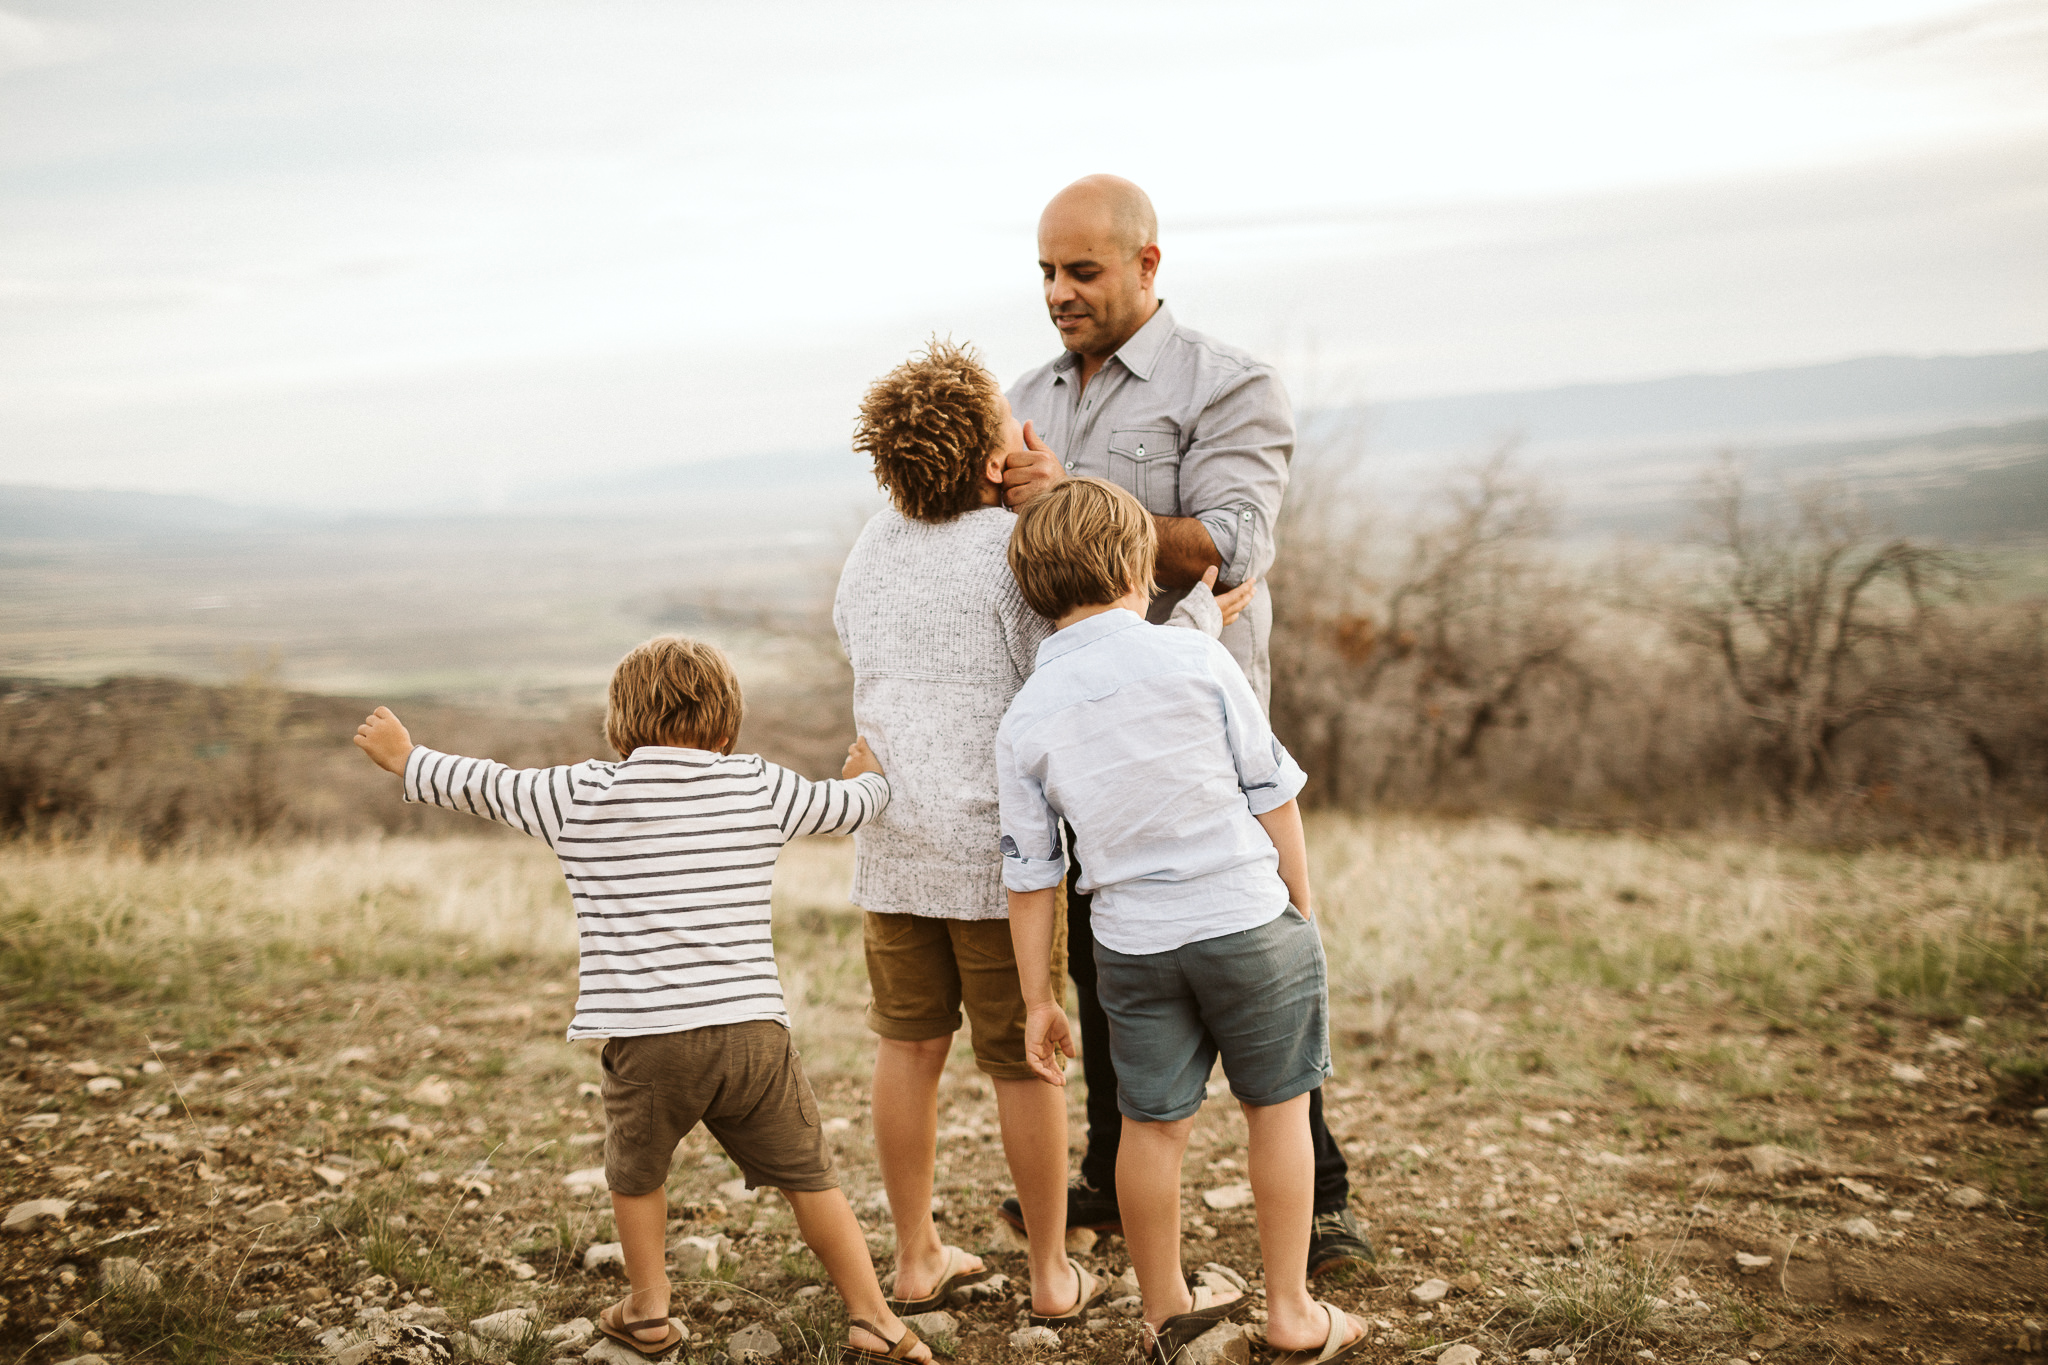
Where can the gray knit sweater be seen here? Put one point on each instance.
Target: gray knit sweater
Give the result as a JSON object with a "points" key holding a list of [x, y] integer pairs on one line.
{"points": [[940, 641]]}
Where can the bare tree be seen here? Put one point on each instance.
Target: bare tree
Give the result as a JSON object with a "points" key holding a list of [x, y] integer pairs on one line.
{"points": [[1819, 624]]}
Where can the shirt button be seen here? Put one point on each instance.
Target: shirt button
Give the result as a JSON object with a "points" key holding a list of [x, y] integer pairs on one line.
{"points": [[1070, 464], [1247, 516]]}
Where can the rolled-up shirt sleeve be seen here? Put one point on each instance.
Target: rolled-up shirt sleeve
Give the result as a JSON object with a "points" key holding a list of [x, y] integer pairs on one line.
{"points": [[1266, 772], [1033, 858], [1234, 472]]}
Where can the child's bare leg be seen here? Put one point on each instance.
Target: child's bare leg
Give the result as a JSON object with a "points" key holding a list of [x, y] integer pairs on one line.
{"points": [[833, 1234], [906, 1118], [1283, 1188], [1034, 1121], [1148, 1194], [643, 1226]]}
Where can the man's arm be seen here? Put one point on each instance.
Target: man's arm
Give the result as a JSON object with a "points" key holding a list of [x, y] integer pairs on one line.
{"points": [[1234, 474], [1187, 549]]}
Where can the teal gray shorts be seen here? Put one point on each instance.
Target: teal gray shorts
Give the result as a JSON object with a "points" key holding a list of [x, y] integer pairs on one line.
{"points": [[1258, 998]]}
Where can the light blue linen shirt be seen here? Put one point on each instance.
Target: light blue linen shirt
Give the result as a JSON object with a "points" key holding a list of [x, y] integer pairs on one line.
{"points": [[1148, 741]]}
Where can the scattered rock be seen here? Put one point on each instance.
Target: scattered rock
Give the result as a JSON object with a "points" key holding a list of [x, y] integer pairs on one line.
{"points": [[1467, 1283], [1869, 1194], [2041, 1118], [572, 1335], [1749, 1263], [697, 1258], [35, 1213], [1080, 1241], [1905, 1073], [427, 1316], [1227, 1343], [751, 1343], [126, 1275], [1032, 1340], [605, 1351], [85, 1068], [1129, 1306], [1900, 1215], [736, 1190], [1966, 1197], [980, 1291], [521, 1270], [84, 1360], [330, 1176], [434, 1091], [273, 1211], [589, 1180], [1861, 1229], [1219, 1276], [1771, 1161], [1233, 1196], [1429, 1291], [506, 1327], [604, 1254], [1536, 1355], [1127, 1283], [1459, 1355], [930, 1325], [102, 1085]]}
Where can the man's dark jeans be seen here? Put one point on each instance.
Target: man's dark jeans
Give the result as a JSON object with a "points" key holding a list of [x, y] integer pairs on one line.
{"points": [[1106, 1122]]}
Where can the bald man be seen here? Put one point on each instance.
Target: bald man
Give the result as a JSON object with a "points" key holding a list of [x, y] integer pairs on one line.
{"points": [[1201, 432]]}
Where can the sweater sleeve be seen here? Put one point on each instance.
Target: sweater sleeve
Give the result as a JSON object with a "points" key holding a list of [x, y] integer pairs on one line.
{"points": [[530, 800], [838, 806]]}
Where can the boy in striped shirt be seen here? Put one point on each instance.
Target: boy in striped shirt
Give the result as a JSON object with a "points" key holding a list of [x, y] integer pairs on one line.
{"points": [[669, 855]]}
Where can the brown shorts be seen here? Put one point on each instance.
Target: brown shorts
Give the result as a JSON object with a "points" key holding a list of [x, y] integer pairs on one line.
{"points": [[923, 970], [742, 1081]]}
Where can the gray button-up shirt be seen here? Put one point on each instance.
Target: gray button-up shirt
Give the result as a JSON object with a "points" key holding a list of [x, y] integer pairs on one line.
{"points": [[1194, 428]]}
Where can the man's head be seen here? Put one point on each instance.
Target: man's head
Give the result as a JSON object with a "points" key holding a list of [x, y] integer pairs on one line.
{"points": [[1098, 245], [937, 428], [673, 691], [1082, 543]]}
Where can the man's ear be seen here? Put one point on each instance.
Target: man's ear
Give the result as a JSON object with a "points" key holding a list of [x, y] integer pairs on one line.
{"points": [[1148, 264]]}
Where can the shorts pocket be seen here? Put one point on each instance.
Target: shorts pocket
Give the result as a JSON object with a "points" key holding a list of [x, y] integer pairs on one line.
{"points": [[628, 1105], [806, 1100]]}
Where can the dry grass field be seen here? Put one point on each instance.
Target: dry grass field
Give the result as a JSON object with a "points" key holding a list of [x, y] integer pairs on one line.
{"points": [[1681, 1099]]}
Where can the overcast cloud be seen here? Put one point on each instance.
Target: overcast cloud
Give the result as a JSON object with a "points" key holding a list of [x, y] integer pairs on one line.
{"points": [[304, 251]]}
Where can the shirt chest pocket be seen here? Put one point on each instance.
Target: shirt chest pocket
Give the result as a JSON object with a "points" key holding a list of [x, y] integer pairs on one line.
{"points": [[1146, 460]]}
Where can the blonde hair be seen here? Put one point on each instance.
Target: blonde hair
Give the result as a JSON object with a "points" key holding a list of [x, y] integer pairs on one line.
{"points": [[930, 425], [1082, 543], [673, 691]]}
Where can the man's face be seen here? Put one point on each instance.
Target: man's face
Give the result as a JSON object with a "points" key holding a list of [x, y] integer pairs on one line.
{"points": [[1096, 290]]}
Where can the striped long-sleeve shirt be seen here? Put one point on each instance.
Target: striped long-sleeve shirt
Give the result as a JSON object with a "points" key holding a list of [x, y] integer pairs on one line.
{"points": [[669, 856]]}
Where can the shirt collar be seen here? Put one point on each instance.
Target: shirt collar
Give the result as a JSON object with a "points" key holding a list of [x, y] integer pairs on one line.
{"points": [[1140, 355], [1086, 632]]}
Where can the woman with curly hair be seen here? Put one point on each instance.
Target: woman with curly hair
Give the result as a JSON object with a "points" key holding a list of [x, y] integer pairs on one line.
{"points": [[940, 641]]}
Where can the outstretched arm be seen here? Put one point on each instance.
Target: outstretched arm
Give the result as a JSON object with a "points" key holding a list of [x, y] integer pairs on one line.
{"points": [[531, 800], [802, 806]]}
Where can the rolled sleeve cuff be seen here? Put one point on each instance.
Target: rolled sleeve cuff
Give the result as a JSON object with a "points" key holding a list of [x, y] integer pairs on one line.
{"points": [[1285, 784], [1235, 530], [1024, 875]]}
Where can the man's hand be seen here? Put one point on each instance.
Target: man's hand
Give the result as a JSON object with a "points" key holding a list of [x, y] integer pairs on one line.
{"points": [[1030, 471], [1047, 1042], [384, 738], [859, 759]]}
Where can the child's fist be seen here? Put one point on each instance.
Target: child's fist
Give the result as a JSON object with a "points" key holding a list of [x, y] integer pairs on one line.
{"points": [[859, 759], [383, 737]]}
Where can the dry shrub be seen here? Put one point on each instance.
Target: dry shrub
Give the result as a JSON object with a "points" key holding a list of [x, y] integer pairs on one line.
{"points": [[1791, 667]]}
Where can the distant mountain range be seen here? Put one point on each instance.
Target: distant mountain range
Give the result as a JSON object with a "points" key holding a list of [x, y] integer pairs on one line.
{"points": [[1950, 445]]}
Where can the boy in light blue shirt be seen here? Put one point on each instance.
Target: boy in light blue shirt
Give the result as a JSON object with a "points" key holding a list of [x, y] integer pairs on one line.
{"points": [[1149, 744]]}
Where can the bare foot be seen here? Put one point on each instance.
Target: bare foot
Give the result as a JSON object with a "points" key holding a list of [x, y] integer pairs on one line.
{"points": [[930, 1271], [1309, 1333]]}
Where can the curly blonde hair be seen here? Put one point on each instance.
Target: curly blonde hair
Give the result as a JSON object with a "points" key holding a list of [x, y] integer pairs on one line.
{"points": [[930, 425]]}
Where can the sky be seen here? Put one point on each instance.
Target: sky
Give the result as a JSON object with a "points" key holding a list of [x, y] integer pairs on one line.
{"points": [[385, 254]]}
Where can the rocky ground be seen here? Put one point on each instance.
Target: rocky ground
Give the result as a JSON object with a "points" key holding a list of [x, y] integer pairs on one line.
{"points": [[1604, 1098], [424, 1157]]}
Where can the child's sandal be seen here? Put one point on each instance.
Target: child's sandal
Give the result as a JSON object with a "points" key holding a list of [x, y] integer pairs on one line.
{"points": [[899, 1349]]}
